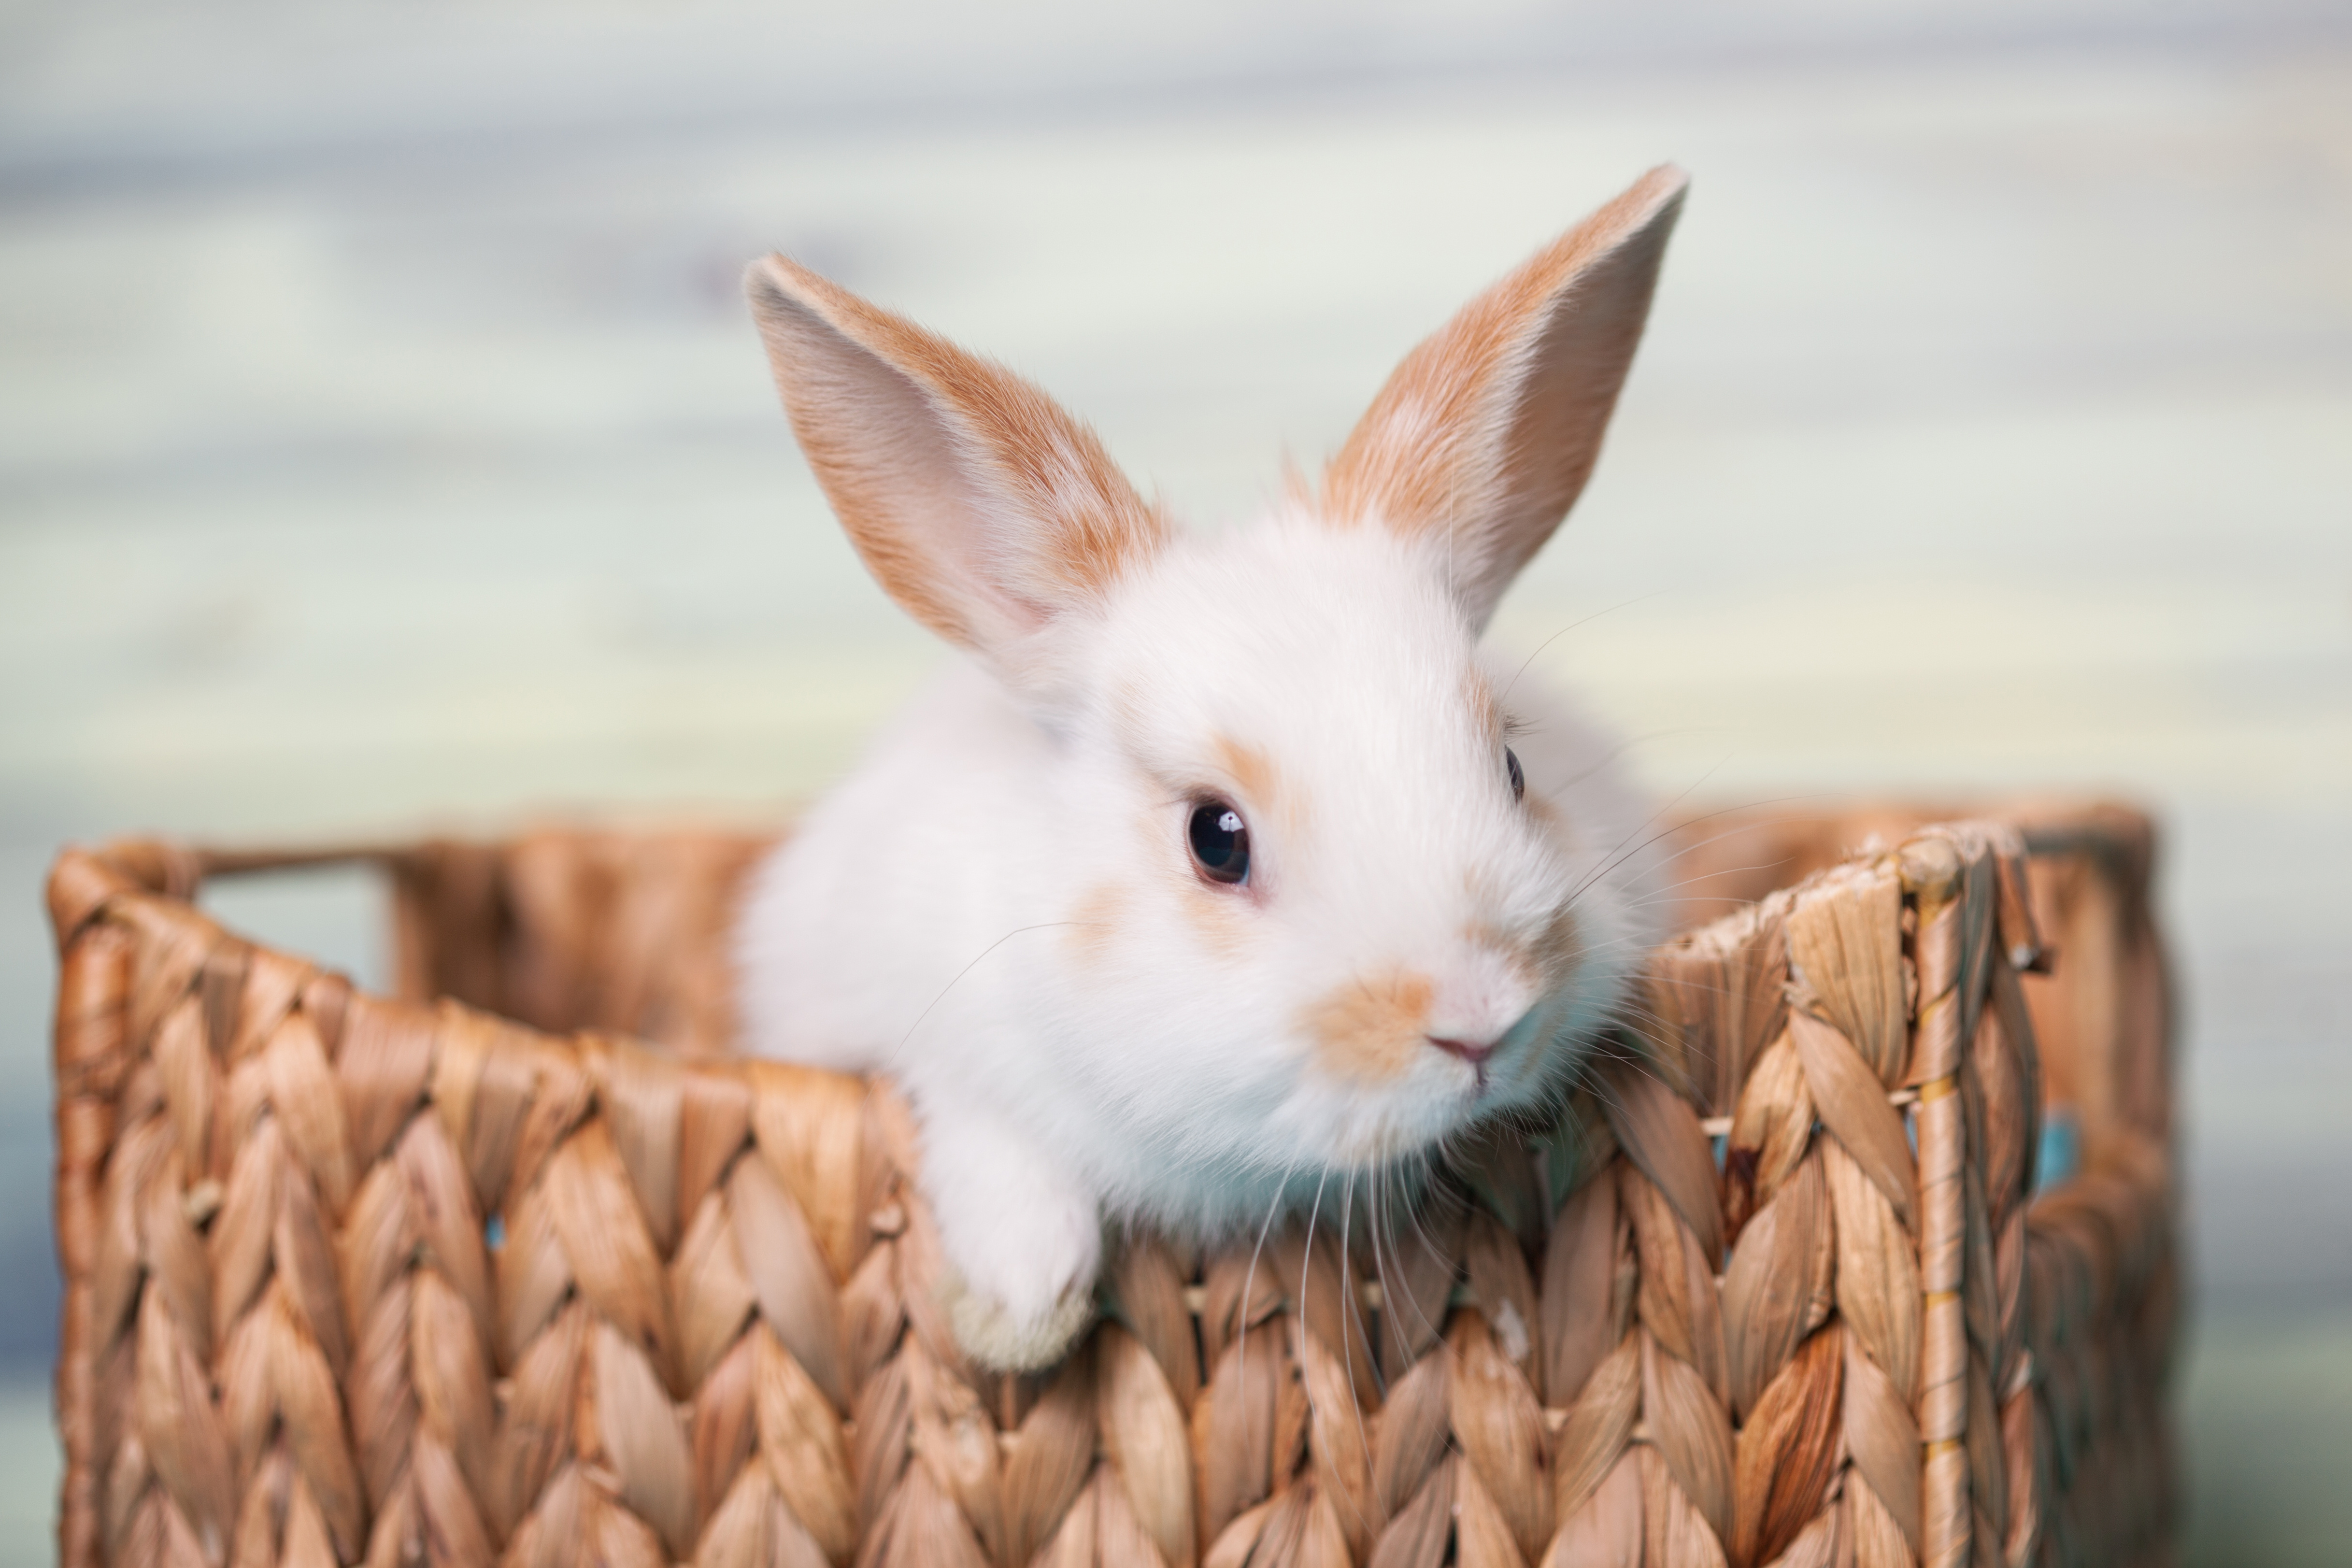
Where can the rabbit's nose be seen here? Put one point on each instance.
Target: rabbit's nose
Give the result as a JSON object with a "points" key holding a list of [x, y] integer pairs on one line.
{"points": [[1475, 1054]]}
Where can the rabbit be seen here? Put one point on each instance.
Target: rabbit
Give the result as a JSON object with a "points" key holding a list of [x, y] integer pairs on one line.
{"points": [[1216, 865]]}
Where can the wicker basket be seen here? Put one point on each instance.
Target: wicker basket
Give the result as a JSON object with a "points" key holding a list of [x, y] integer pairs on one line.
{"points": [[477, 1280]]}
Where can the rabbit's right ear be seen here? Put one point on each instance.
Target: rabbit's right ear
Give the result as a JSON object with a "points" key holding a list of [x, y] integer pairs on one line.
{"points": [[978, 504], [1485, 434]]}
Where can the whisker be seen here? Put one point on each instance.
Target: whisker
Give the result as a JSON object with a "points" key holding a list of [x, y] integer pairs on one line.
{"points": [[1620, 855], [1421, 1232], [1017, 931], [1628, 744], [1711, 874], [1626, 853], [1242, 1310], [1621, 604]]}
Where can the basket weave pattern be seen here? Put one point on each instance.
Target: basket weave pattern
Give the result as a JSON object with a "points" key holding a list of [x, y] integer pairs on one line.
{"points": [[355, 1279]]}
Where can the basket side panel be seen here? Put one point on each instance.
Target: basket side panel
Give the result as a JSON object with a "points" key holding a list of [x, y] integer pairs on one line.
{"points": [[2103, 1249], [93, 993], [566, 931]]}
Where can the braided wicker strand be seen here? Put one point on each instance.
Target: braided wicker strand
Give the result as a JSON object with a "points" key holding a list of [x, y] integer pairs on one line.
{"points": [[93, 987]]}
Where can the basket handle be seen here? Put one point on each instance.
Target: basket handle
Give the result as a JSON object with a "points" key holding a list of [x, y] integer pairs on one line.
{"points": [[176, 871]]}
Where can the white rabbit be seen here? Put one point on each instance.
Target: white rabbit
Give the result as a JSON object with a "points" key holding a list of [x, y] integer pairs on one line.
{"points": [[1209, 873]]}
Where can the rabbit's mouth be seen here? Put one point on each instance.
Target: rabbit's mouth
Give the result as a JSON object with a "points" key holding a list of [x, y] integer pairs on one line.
{"points": [[1476, 1055]]}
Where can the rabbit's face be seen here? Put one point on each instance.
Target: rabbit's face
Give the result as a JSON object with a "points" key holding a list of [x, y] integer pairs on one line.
{"points": [[1328, 924]]}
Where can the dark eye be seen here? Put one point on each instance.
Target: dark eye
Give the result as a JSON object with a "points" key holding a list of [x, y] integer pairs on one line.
{"points": [[1518, 775], [1220, 841]]}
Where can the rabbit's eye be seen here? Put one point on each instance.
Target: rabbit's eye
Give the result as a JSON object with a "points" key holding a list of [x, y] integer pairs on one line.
{"points": [[1518, 775], [1220, 842]]}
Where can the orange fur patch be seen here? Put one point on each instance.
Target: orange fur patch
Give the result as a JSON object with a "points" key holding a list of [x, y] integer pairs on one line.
{"points": [[1246, 766], [1263, 783], [1479, 693], [1371, 1029], [1217, 916], [1478, 934], [1552, 952], [1543, 960], [1094, 922]]}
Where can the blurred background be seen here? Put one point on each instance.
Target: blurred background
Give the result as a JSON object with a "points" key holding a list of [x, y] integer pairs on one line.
{"points": [[383, 446]]}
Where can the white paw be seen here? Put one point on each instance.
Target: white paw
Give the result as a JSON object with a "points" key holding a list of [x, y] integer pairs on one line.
{"points": [[998, 1337], [1023, 1242]]}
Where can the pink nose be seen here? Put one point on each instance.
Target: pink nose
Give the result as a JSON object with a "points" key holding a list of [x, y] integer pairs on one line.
{"points": [[1475, 1054]]}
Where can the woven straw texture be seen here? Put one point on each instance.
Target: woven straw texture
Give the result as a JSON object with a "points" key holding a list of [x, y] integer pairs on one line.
{"points": [[483, 1279]]}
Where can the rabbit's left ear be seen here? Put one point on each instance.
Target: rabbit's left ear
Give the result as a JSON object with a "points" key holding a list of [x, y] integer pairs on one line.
{"points": [[979, 505], [1484, 437]]}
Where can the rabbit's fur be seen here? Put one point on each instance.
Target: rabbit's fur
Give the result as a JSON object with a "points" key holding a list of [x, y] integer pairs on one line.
{"points": [[1000, 908]]}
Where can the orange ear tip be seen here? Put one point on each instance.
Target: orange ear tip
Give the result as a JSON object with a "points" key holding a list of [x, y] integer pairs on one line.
{"points": [[767, 280], [1663, 188], [1652, 204], [778, 277]]}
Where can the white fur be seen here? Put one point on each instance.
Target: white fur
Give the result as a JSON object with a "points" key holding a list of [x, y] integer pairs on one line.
{"points": [[998, 907]]}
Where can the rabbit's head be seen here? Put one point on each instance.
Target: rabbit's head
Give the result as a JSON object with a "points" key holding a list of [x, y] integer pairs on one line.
{"points": [[1314, 910]]}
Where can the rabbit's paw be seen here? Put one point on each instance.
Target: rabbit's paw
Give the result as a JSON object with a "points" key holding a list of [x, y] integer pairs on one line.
{"points": [[1005, 1339], [1023, 1242]]}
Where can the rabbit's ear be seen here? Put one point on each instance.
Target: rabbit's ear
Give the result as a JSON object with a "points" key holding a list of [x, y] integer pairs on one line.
{"points": [[1483, 438], [979, 505]]}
